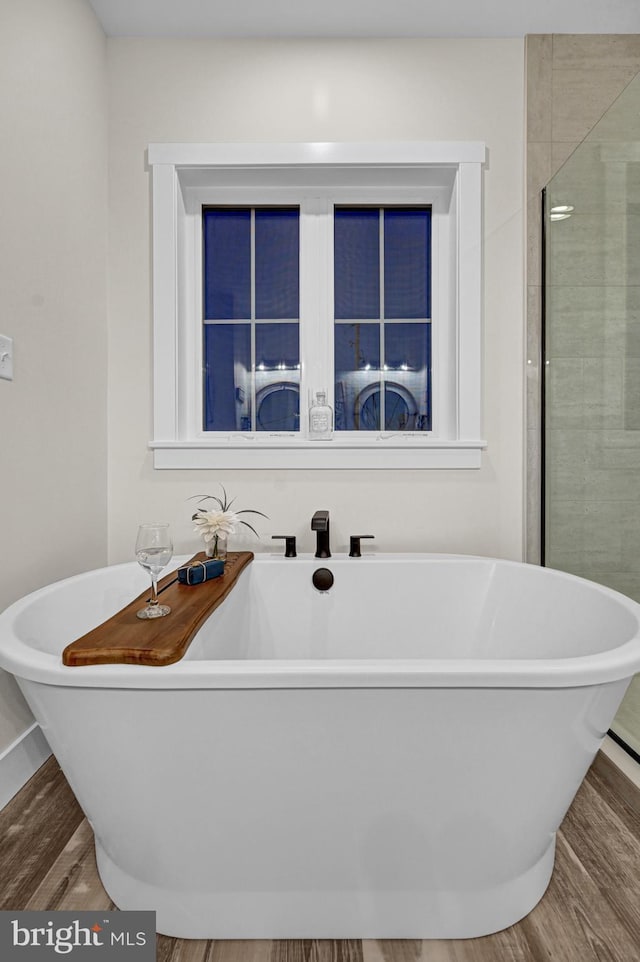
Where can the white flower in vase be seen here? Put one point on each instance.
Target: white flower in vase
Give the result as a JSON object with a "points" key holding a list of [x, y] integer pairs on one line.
{"points": [[216, 525]]}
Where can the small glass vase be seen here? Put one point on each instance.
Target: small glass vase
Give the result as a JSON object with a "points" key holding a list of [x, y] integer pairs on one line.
{"points": [[218, 547]]}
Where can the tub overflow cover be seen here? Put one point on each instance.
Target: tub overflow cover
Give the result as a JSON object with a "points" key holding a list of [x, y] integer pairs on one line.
{"points": [[322, 579]]}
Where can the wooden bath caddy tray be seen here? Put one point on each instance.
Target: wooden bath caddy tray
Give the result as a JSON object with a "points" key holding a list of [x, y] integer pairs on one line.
{"points": [[126, 639]]}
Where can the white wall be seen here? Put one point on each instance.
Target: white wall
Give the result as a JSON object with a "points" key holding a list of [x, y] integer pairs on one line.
{"points": [[320, 90], [53, 266], [53, 118]]}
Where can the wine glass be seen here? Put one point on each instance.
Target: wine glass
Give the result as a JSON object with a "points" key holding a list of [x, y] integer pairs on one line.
{"points": [[154, 549]]}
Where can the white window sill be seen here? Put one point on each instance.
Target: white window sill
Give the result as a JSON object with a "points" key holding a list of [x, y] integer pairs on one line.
{"points": [[281, 451]]}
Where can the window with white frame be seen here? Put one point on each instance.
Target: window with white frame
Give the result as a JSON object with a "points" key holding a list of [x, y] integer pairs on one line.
{"points": [[382, 318], [284, 270], [251, 319]]}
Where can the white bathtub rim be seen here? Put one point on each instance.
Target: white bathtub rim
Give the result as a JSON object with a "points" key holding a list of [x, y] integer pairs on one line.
{"points": [[612, 665], [585, 671]]}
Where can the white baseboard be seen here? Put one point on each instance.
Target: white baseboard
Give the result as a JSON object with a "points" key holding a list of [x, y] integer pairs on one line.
{"points": [[20, 761], [622, 759]]}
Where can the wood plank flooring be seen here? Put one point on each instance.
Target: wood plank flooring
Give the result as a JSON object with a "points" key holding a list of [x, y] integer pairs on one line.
{"points": [[590, 913]]}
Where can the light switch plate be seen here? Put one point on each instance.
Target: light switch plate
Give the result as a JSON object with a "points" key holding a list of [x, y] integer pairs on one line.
{"points": [[6, 357]]}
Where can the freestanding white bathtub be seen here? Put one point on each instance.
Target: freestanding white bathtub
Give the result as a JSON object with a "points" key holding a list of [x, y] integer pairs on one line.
{"points": [[389, 759]]}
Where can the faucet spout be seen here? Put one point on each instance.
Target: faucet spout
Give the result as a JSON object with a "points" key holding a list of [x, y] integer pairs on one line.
{"points": [[320, 524]]}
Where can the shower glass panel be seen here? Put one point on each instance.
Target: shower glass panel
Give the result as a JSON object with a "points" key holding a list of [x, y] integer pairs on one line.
{"points": [[592, 365]]}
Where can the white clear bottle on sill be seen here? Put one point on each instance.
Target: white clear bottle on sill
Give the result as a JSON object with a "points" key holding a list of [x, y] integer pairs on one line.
{"points": [[320, 419]]}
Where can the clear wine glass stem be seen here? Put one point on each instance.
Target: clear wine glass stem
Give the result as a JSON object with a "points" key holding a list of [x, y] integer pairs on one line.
{"points": [[154, 590]]}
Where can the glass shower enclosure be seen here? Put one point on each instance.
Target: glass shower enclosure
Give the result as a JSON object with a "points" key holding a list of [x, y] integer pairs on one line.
{"points": [[591, 360]]}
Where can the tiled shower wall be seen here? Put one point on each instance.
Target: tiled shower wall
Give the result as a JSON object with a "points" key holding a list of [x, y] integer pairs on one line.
{"points": [[572, 80]]}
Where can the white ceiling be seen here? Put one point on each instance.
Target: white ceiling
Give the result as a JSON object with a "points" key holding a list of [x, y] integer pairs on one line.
{"points": [[364, 18]]}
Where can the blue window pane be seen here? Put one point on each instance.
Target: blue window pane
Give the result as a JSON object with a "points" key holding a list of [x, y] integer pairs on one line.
{"points": [[357, 370], [277, 347], [227, 377], [407, 359], [407, 263], [227, 263], [371, 408], [356, 263], [277, 263], [278, 407], [277, 377]]}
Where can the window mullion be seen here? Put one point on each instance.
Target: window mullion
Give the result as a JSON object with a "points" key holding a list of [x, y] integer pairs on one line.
{"points": [[253, 319], [383, 366], [316, 299]]}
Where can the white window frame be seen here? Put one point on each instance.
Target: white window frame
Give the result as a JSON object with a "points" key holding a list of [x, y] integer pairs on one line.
{"points": [[448, 176]]}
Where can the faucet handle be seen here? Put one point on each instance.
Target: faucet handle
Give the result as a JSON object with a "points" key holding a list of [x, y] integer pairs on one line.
{"points": [[354, 544], [289, 544]]}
